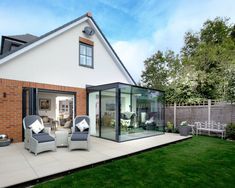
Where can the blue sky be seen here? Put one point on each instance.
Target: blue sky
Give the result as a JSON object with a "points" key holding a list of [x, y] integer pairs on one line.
{"points": [[135, 28]]}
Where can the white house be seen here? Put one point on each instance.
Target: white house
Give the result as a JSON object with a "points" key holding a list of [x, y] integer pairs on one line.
{"points": [[71, 71]]}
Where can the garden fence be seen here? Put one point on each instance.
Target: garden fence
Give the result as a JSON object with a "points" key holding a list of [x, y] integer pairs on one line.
{"points": [[209, 110]]}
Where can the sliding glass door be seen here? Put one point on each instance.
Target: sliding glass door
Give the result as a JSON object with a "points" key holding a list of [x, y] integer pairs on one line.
{"points": [[103, 113], [94, 109], [56, 108], [108, 114], [29, 101]]}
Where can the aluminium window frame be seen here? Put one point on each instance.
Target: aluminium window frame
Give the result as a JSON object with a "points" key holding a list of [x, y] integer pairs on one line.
{"points": [[117, 86], [92, 55]]}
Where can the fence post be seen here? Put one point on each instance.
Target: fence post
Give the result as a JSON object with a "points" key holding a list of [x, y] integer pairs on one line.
{"points": [[209, 110], [174, 114]]}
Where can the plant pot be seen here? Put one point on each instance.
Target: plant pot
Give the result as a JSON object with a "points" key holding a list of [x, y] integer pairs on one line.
{"points": [[184, 130], [5, 142]]}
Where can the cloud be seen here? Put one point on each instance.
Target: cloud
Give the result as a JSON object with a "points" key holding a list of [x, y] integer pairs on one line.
{"points": [[133, 54], [21, 19], [189, 16], [136, 29], [186, 16]]}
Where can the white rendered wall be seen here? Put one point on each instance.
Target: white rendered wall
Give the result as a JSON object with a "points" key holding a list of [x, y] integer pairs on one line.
{"points": [[57, 62]]}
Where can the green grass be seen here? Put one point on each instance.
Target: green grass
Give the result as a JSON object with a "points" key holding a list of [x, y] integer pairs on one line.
{"points": [[198, 162]]}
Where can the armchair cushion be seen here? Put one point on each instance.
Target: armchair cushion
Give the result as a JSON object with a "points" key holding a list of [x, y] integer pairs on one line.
{"points": [[79, 136], [82, 125], [36, 127], [43, 137]]}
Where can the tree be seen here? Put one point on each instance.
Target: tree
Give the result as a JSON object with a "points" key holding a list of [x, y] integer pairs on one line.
{"points": [[210, 52], [215, 31], [230, 89], [200, 70], [160, 70]]}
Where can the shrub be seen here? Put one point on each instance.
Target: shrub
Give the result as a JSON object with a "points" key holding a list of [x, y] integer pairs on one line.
{"points": [[169, 126], [230, 131]]}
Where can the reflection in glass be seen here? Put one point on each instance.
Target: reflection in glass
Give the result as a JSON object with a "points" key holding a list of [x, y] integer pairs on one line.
{"points": [[140, 111]]}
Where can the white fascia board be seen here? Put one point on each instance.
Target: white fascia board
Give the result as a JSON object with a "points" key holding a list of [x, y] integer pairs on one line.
{"points": [[110, 50], [41, 41]]}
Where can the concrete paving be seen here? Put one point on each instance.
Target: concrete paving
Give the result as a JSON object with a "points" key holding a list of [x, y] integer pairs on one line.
{"points": [[17, 165]]}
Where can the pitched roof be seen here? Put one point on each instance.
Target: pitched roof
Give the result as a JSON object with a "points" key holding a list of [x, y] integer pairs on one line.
{"points": [[16, 41], [41, 38], [24, 38]]}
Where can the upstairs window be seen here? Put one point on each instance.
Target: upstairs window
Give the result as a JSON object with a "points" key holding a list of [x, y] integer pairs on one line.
{"points": [[86, 55]]}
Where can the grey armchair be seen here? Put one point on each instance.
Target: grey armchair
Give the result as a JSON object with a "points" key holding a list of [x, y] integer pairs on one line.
{"points": [[78, 139], [40, 142]]}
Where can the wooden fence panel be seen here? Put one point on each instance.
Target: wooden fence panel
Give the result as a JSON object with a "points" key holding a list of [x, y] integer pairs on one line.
{"points": [[220, 112]]}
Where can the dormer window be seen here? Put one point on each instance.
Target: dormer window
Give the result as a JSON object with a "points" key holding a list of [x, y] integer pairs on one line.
{"points": [[86, 53]]}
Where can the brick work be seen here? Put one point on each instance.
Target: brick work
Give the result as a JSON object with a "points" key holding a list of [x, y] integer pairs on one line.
{"points": [[11, 104]]}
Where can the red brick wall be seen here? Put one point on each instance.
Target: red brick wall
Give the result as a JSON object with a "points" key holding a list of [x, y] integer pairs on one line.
{"points": [[11, 104]]}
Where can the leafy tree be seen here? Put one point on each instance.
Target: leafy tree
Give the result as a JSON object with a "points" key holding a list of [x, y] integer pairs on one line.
{"points": [[215, 31], [230, 89], [210, 53], [160, 69], [191, 41], [200, 70]]}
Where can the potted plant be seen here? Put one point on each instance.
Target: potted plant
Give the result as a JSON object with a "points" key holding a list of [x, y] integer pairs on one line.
{"points": [[184, 129]]}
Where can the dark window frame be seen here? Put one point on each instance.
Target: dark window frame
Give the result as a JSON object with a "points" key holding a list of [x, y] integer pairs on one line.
{"points": [[118, 86], [92, 55]]}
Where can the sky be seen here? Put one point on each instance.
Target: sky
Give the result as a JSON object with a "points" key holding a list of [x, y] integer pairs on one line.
{"points": [[135, 28]]}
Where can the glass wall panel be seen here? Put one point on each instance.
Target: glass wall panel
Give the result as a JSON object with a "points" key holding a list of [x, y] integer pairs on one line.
{"points": [[108, 114], [142, 112], [127, 116], [94, 113]]}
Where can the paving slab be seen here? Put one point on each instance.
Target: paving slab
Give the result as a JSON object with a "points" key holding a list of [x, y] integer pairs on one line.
{"points": [[17, 165]]}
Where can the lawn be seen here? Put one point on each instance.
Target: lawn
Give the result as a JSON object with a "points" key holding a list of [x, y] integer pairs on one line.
{"points": [[198, 162]]}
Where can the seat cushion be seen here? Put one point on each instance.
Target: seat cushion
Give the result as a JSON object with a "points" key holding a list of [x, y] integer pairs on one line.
{"points": [[79, 136], [43, 137]]}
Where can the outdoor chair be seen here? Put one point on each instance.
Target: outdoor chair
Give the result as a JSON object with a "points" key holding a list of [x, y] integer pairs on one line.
{"points": [[80, 139], [37, 142]]}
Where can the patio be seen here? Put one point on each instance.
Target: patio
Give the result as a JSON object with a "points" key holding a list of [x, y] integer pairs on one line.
{"points": [[18, 165]]}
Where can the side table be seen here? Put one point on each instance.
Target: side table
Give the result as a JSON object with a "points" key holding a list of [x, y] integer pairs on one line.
{"points": [[61, 138]]}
